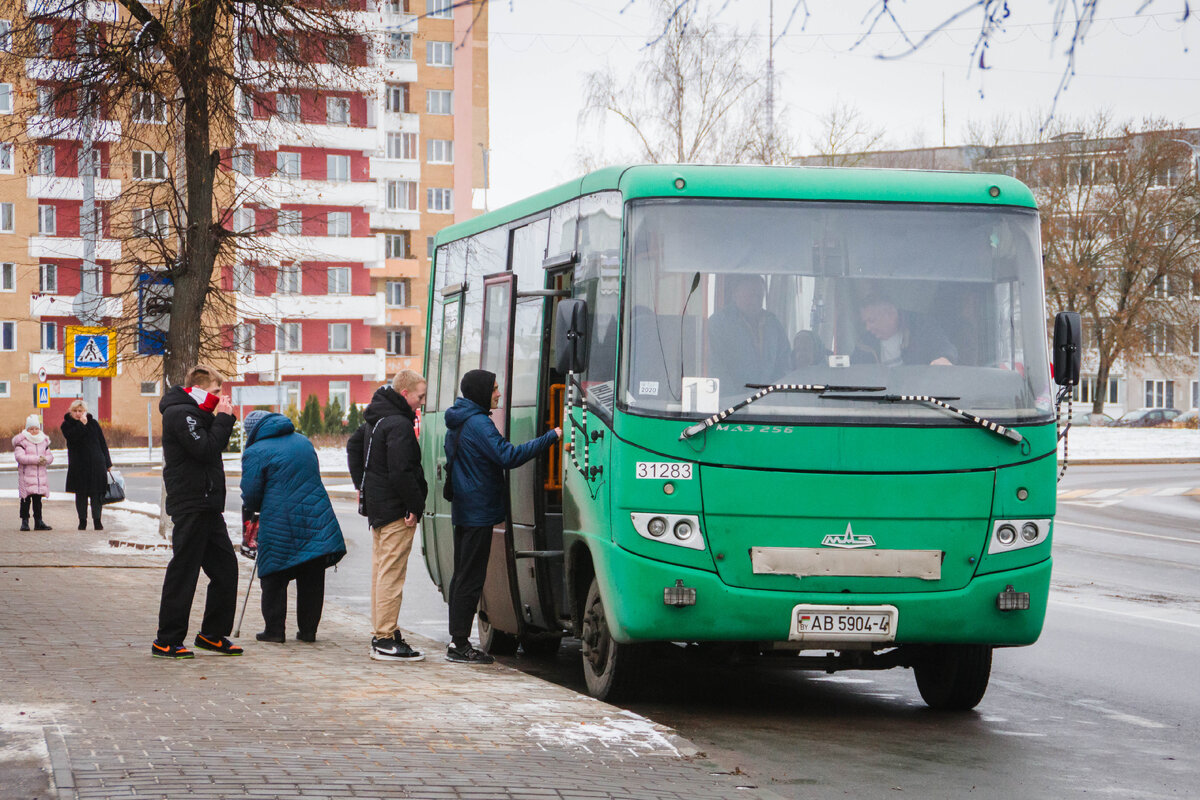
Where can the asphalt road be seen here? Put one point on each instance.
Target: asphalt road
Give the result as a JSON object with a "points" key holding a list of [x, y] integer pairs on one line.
{"points": [[1107, 702]]}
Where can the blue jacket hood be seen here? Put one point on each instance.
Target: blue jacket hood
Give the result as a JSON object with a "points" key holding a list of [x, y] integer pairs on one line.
{"points": [[271, 425], [462, 410]]}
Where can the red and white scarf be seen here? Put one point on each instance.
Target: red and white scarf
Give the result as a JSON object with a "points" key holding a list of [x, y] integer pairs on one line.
{"points": [[204, 398]]}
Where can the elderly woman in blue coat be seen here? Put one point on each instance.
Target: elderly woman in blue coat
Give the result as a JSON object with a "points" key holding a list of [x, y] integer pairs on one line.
{"points": [[298, 534]]}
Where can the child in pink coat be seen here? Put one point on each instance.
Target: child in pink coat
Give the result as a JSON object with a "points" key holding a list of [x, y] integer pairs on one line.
{"points": [[32, 449]]}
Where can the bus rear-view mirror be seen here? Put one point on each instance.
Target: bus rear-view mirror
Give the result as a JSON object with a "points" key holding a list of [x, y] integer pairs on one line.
{"points": [[570, 336], [1068, 337]]}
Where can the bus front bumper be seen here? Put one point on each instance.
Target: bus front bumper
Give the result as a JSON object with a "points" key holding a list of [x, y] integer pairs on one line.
{"points": [[632, 589]]}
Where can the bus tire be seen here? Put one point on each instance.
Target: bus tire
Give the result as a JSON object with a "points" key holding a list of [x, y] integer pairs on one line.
{"points": [[954, 677], [495, 642], [609, 668], [541, 646]]}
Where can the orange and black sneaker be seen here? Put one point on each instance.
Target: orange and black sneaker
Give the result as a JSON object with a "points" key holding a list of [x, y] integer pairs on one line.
{"points": [[175, 651], [217, 645]]}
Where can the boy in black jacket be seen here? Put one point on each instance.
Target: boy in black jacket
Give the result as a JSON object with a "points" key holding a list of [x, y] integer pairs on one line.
{"points": [[197, 423]]}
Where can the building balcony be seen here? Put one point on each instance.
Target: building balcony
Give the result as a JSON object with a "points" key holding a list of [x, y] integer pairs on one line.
{"points": [[52, 187], [96, 11], [60, 305], [51, 362], [51, 69], [395, 169], [395, 220], [43, 127], [412, 316], [369, 307], [354, 249], [68, 247], [396, 268], [400, 121], [371, 365], [274, 191], [273, 76], [274, 133]]}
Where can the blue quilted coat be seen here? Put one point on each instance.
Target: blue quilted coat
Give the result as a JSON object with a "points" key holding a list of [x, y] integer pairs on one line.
{"points": [[281, 480]]}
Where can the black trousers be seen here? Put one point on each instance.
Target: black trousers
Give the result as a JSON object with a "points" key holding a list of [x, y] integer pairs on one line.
{"points": [[200, 542], [310, 597], [36, 501], [81, 504], [472, 546]]}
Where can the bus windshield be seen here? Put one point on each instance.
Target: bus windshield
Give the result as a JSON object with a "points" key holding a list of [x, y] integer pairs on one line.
{"points": [[919, 299]]}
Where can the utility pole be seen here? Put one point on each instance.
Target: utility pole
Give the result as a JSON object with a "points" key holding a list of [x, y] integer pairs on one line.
{"points": [[88, 306], [771, 74]]}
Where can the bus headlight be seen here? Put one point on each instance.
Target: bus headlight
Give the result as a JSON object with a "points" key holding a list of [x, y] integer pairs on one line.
{"points": [[1006, 534], [1016, 534], [1029, 531], [684, 527]]}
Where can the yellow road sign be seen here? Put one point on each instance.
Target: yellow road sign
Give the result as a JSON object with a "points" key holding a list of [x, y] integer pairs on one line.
{"points": [[43, 395], [90, 352]]}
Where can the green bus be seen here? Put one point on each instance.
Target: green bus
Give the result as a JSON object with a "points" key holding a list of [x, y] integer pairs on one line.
{"points": [[808, 417]]}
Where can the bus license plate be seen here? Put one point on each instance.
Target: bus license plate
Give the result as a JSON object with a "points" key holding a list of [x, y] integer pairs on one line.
{"points": [[849, 623]]}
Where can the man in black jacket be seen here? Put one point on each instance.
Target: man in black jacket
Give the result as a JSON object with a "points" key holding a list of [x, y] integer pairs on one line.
{"points": [[197, 423], [385, 464]]}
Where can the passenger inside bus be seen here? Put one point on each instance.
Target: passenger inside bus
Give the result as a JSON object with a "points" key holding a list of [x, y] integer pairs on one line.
{"points": [[808, 351], [747, 344], [893, 337]]}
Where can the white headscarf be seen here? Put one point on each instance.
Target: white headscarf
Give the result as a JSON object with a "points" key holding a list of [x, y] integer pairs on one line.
{"points": [[34, 421]]}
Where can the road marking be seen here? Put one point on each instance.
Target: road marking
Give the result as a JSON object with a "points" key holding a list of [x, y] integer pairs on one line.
{"points": [[1125, 491], [1061, 522], [1099, 493], [1018, 733], [1147, 617]]}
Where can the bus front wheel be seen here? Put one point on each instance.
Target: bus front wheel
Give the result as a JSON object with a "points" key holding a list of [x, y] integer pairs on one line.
{"points": [[494, 641], [954, 677], [610, 668]]}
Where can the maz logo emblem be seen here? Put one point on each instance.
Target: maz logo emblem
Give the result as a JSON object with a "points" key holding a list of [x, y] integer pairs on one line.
{"points": [[848, 540]]}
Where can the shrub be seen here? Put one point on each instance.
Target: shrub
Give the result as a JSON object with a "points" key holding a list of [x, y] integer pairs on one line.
{"points": [[354, 419], [310, 417], [333, 417]]}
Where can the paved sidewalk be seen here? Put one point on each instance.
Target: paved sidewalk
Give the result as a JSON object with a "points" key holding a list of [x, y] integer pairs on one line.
{"points": [[85, 712]]}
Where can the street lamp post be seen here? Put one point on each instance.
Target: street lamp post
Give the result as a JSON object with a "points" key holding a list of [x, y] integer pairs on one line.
{"points": [[1195, 176]]}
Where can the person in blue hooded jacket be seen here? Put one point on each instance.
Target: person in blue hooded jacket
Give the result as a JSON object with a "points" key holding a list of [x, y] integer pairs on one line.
{"points": [[298, 534], [479, 456]]}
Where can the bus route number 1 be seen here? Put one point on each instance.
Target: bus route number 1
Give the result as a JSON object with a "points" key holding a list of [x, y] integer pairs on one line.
{"points": [[664, 470]]}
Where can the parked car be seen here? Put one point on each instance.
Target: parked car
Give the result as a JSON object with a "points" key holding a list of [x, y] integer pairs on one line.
{"points": [[1185, 420], [1091, 419], [1146, 418]]}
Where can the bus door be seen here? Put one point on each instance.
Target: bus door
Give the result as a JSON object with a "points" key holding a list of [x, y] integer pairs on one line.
{"points": [[437, 532]]}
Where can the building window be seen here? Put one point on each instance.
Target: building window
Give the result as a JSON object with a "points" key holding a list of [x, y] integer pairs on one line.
{"points": [[149, 165], [1159, 339], [339, 337], [45, 101], [397, 294], [400, 46], [8, 336], [148, 222], [5, 98], [337, 110], [338, 223], [338, 280], [402, 195], [45, 162], [397, 97], [337, 169], [1160, 394], [287, 337], [244, 220], [6, 157], [8, 277], [287, 107], [287, 279], [243, 161], [395, 8], [395, 245], [402, 146], [44, 40], [243, 337], [337, 51], [398, 342], [149, 107], [339, 392], [439, 101], [1195, 385], [243, 279], [6, 217], [5, 35], [289, 222], [440, 200], [98, 164], [439, 54], [439, 151], [429, 247], [245, 108], [47, 220], [439, 9], [5, 389], [48, 278], [246, 46], [287, 164], [148, 388], [49, 337]]}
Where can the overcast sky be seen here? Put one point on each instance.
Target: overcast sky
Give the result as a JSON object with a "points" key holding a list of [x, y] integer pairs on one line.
{"points": [[540, 50]]}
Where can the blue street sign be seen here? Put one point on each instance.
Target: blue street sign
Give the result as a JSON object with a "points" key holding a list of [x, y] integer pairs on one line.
{"points": [[91, 351], [154, 313]]}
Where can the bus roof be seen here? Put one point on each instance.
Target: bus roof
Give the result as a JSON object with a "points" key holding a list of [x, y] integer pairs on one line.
{"points": [[774, 183]]}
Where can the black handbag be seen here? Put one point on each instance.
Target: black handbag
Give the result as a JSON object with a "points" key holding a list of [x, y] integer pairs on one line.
{"points": [[114, 492], [362, 492]]}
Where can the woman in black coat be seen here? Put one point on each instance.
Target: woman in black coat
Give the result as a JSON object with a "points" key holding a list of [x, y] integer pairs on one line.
{"points": [[88, 462]]}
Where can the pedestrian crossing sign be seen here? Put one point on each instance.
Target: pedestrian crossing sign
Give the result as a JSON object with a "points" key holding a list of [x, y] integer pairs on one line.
{"points": [[89, 352], [43, 395]]}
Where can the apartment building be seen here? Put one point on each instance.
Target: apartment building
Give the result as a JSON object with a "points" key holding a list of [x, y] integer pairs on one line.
{"points": [[340, 187], [1164, 371]]}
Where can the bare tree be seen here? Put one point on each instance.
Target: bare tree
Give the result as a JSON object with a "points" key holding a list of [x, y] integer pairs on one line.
{"points": [[162, 89], [846, 136], [691, 97]]}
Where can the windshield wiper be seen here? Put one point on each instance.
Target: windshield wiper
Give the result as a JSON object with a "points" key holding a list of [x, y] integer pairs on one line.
{"points": [[940, 402], [763, 391]]}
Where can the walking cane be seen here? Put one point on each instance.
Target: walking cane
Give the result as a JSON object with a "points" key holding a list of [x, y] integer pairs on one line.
{"points": [[246, 602]]}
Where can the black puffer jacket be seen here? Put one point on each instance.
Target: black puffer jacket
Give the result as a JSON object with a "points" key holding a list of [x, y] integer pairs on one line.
{"points": [[87, 456], [392, 481], [192, 441]]}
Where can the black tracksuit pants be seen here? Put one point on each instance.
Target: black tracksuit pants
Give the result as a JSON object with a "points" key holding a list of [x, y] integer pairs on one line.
{"points": [[81, 504], [34, 500], [472, 545], [200, 541], [310, 597]]}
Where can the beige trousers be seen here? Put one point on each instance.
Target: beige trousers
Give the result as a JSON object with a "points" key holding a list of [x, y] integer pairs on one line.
{"points": [[390, 548]]}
